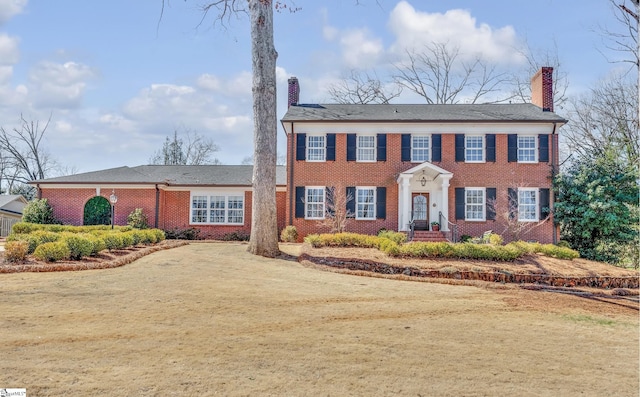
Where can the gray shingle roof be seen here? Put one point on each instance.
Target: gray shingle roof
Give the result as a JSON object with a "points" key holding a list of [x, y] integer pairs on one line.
{"points": [[521, 112], [175, 175]]}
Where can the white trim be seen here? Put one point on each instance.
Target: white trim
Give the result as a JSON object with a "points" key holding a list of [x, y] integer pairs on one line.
{"points": [[374, 148], [307, 147], [375, 202], [390, 128], [217, 192], [535, 149], [324, 201], [428, 148], [484, 148], [484, 204], [536, 204]]}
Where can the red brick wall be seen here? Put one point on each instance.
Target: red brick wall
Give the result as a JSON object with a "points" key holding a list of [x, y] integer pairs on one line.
{"points": [[500, 175]]}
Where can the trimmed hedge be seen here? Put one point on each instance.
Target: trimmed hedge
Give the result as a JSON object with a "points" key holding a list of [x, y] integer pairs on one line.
{"points": [[52, 252], [79, 245], [16, 251]]}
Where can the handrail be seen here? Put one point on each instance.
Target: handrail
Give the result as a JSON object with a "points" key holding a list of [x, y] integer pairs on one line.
{"points": [[451, 230], [411, 228]]}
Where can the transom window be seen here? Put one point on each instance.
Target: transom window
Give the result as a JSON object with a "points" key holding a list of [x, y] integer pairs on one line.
{"points": [[218, 209], [365, 203], [366, 145], [420, 148], [527, 205], [527, 149], [474, 149], [316, 148], [474, 204], [314, 202]]}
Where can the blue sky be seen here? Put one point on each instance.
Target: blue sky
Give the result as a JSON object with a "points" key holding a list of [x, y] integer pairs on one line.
{"points": [[117, 80]]}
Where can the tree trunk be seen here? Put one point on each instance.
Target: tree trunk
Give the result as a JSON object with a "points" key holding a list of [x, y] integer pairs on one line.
{"points": [[264, 224]]}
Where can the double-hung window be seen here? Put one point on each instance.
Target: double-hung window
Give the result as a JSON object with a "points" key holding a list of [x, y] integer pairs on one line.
{"points": [[366, 148], [527, 205], [527, 149], [314, 202], [474, 204], [217, 209], [420, 148], [316, 148], [365, 203], [474, 149]]}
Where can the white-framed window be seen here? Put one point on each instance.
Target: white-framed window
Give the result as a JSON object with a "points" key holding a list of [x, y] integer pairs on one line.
{"points": [[528, 204], [365, 203], [316, 148], [474, 148], [474, 204], [218, 209], [314, 203], [366, 148], [420, 148], [527, 150]]}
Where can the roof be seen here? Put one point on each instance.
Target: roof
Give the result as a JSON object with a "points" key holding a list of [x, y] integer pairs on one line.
{"points": [[12, 203], [521, 112], [8, 198], [170, 175]]}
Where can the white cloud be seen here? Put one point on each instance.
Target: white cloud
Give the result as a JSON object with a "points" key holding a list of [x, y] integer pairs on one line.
{"points": [[10, 8], [209, 82], [59, 85], [359, 49], [414, 29], [9, 53]]}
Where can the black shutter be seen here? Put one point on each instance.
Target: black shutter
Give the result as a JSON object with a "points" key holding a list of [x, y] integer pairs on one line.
{"points": [[513, 203], [331, 147], [491, 203], [301, 147], [491, 148], [436, 147], [299, 201], [382, 147], [351, 202], [351, 147], [460, 203], [459, 147], [381, 203], [512, 148], [543, 148], [545, 208], [406, 147], [329, 208]]}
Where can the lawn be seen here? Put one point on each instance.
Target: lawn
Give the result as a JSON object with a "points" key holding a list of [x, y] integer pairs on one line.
{"points": [[210, 319]]}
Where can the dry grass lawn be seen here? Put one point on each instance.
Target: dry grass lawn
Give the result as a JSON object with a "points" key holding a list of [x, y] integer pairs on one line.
{"points": [[210, 319]]}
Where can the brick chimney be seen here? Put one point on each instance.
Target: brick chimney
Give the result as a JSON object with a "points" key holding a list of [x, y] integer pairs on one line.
{"points": [[294, 91], [542, 89]]}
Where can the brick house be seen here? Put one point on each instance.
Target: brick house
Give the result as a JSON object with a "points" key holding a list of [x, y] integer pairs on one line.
{"points": [[215, 199], [469, 167]]}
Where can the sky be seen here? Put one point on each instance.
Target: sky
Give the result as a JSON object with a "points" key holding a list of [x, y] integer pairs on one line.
{"points": [[117, 77]]}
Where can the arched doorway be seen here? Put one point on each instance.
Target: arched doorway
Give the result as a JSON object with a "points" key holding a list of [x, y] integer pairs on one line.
{"points": [[419, 211], [97, 211]]}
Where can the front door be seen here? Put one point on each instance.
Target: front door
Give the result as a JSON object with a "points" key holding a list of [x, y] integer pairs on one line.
{"points": [[419, 210]]}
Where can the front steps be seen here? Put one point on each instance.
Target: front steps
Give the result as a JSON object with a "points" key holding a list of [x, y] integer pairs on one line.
{"points": [[426, 235]]}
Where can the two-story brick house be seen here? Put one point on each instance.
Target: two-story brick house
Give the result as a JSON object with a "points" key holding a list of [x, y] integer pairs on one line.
{"points": [[471, 167]]}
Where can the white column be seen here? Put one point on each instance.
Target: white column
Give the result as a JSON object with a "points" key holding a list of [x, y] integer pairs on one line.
{"points": [[445, 200], [404, 207]]}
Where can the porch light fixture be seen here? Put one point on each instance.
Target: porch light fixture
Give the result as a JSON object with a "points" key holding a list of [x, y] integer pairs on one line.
{"points": [[423, 181], [113, 199]]}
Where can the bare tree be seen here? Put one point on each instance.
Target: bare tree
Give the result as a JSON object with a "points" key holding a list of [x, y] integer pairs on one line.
{"points": [[441, 76], [512, 229], [363, 88], [24, 158], [196, 150], [606, 118], [336, 214]]}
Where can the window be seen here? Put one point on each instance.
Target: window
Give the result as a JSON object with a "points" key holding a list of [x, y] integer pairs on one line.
{"points": [[474, 149], [419, 148], [314, 203], [527, 149], [474, 204], [316, 148], [218, 209], [527, 205], [366, 147], [365, 203]]}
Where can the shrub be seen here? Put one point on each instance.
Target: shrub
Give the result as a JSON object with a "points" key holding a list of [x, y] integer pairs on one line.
{"points": [[45, 236], [127, 239], [97, 244], [51, 252], [397, 237], [24, 227], [236, 236], [559, 252], [79, 245], [31, 240], [495, 239], [389, 247], [148, 236], [137, 219], [38, 211], [289, 234], [16, 251], [465, 238], [563, 243], [314, 240], [112, 241], [182, 234], [160, 236]]}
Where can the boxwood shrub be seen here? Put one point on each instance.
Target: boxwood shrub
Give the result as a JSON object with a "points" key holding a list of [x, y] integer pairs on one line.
{"points": [[52, 252]]}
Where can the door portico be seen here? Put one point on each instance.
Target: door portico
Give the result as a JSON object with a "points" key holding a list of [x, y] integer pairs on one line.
{"points": [[427, 179]]}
